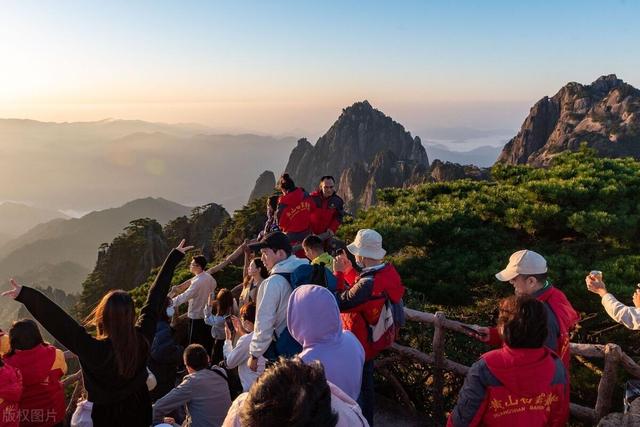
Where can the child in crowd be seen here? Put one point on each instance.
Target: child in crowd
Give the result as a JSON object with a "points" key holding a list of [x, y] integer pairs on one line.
{"points": [[223, 307]]}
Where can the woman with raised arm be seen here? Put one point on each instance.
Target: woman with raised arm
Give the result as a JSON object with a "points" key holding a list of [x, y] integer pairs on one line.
{"points": [[114, 362]]}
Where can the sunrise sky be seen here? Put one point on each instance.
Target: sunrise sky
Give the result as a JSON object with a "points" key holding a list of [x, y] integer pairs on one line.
{"points": [[290, 66]]}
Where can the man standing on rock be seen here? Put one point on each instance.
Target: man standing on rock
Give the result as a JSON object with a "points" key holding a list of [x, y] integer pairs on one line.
{"points": [[197, 294], [328, 210]]}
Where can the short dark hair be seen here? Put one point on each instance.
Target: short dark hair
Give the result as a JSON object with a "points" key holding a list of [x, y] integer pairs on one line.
{"points": [[327, 177], [201, 261], [313, 242], [275, 240], [290, 393], [286, 183], [248, 312], [541, 278], [196, 357], [24, 334], [524, 322]]}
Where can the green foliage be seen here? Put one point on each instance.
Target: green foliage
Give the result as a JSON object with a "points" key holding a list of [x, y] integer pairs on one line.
{"points": [[581, 213], [246, 223], [449, 239], [125, 263]]}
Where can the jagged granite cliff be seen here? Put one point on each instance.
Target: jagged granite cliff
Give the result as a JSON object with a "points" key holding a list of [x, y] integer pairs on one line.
{"points": [[605, 115], [198, 228], [265, 185], [364, 150]]}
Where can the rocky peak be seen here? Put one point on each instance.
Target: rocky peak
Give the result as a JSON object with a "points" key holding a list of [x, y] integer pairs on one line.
{"points": [[265, 184], [605, 115], [357, 137], [604, 84]]}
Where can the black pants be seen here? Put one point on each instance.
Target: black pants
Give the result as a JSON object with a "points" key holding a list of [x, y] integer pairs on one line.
{"points": [[217, 354], [200, 333]]}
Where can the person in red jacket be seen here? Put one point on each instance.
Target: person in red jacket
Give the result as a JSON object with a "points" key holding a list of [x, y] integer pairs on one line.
{"points": [[361, 303], [328, 210], [294, 212], [41, 366], [10, 393], [523, 384], [527, 272]]}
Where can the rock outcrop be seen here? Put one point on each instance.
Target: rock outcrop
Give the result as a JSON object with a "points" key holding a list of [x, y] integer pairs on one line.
{"points": [[126, 262], [265, 185], [198, 228], [364, 150], [447, 171], [604, 115]]}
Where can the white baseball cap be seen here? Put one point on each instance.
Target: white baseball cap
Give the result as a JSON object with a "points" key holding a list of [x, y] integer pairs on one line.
{"points": [[368, 244], [523, 262]]}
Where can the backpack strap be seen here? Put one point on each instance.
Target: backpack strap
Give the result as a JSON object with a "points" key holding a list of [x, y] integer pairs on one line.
{"points": [[287, 277], [218, 370]]}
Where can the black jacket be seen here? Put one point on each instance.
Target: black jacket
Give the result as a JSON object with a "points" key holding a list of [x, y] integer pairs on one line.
{"points": [[116, 400]]}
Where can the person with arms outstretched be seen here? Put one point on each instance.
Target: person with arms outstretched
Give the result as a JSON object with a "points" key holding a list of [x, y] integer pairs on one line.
{"points": [[114, 362]]}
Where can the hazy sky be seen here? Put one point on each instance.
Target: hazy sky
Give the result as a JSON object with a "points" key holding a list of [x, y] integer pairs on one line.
{"points": [[282, 67]]}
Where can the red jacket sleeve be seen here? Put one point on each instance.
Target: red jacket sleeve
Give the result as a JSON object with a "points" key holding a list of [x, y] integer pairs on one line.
{"points": [[495, 340]]}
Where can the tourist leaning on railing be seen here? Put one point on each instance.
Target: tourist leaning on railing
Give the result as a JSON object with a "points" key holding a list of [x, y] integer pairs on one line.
{"points": [[522, 384], [623, 314]]}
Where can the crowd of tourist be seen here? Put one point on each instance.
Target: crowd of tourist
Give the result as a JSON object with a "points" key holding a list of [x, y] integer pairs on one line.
{"points": [[294, 346]]}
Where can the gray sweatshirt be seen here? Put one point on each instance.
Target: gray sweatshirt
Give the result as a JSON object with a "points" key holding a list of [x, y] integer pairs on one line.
{"points": [[206, 395]]}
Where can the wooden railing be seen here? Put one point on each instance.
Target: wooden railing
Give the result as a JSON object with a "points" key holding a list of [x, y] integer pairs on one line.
{"points": [[613, 356]]}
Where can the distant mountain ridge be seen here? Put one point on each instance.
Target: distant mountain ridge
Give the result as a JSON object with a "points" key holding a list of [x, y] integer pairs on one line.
{"points": [[77, 239], [17, 218], [87, 166], [604, 115], [482, 156]]}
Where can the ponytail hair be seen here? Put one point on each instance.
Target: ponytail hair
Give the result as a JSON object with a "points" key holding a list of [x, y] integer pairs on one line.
{"points": [[286, 183]]}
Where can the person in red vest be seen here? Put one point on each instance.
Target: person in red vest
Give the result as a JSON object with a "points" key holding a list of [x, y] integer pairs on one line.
{"points": [[522, 384], [527, 272], [41, 366], [361, 298], [294, 212], [10, 393], [328, 210]]}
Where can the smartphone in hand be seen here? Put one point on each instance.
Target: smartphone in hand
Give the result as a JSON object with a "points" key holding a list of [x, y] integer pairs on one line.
{"points": [[229, 323]]}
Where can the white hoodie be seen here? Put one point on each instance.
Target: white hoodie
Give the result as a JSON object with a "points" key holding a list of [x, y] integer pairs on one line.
{"points": [[271, 305]]}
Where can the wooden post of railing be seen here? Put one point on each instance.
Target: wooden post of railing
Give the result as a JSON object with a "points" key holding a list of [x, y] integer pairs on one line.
{"points": [[438, 374], [608, 380]]}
